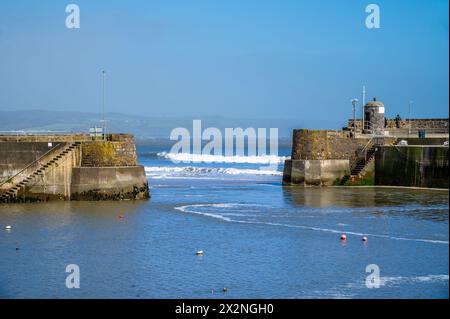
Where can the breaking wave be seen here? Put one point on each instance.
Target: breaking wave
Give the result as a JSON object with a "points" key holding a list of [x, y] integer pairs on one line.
{"points": [[208, 158], [192, 171]]}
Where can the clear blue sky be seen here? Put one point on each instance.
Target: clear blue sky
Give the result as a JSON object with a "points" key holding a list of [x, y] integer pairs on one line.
{"points": [[294, 59]]}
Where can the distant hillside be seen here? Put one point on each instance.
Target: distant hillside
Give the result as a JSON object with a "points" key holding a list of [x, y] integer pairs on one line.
{"points": [[141, 126]]}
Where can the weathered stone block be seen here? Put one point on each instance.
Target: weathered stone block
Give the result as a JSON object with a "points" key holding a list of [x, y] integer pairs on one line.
{"points": [[315, 172]]}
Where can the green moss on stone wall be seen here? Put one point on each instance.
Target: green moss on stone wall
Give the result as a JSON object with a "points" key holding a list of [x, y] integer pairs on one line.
{"points": [[412, 166], [98, 154], [105, 153]]}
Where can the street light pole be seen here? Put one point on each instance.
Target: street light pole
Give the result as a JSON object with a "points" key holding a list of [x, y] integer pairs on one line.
{"points": [[409, 117], [103, 105], [363, 103], [354, 103]]}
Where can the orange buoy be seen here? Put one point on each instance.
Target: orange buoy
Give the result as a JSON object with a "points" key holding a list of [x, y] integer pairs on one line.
{"points": [[364, 238], [343, 237], [121, 217]]}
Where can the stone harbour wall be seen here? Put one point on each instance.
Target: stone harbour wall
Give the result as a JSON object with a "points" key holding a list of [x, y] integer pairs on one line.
{"points": [[325, 145], [90, 170], [404, 123], [15, 156], [109, 183], [418, 166], [54, 184], [105, 153], [315, 172]]}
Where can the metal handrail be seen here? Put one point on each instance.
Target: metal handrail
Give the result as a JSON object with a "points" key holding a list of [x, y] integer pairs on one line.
{"points": [[29, 165], [364, 149], [49, 170], [367, 144]]}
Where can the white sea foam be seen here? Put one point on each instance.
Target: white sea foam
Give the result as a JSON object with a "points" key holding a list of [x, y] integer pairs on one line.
{"points": [[208, 158], [192, 209], [401, 280], [387, 281], [185, 209], [192, 171]]}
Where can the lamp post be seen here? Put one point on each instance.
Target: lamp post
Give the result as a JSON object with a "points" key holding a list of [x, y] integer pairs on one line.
{"points": [[354, 103], [409, 117], [363, 103], [103, 105]]}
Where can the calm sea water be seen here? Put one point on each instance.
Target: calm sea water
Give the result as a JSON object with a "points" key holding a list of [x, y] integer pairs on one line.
{"points": [[260, 240]]}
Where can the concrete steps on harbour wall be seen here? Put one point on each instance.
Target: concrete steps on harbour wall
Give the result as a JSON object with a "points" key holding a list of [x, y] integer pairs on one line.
{"points": [[14, 187]]}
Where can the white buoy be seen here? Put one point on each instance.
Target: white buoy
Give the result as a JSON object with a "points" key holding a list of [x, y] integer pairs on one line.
{"points": [[8, 227], [199, 253]]}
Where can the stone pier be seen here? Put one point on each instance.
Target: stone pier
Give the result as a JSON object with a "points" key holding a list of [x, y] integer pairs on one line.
{"points": [[70, 167]]}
